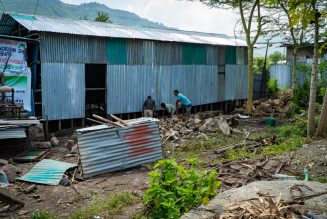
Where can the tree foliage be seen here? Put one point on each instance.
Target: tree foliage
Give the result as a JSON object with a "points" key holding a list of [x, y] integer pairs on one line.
{"points": [[103, 17], [175, 189], [276, 56]]}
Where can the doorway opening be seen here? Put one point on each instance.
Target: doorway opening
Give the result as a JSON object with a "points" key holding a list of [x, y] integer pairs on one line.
{"points": [[95, 89]]}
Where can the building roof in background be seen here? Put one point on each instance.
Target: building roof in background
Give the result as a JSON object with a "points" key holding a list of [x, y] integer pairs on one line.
{"points": [[98, 29]]}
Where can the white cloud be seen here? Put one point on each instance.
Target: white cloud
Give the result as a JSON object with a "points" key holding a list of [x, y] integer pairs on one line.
{"points": [[184, 15]]}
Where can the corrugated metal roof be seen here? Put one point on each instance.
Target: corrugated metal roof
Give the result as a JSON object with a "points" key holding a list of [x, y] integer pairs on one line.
{"points": [[47, 172], [106, 150], [99, 29]]}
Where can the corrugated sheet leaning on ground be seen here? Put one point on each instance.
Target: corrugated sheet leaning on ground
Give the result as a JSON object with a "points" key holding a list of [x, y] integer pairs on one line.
{"points": [[109, 149], [100, 29], [63, 91], [47, 172]]}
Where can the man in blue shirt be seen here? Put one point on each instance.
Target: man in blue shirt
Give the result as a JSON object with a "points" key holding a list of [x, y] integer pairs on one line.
{"points": [[183, 101]]}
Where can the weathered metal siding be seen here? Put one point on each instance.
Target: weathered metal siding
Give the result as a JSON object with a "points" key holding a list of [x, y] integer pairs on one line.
{"points": [[168, 53], [212, 55], [198, 82], [59, 48], [128, 86], [106, 149], [63, 91], [283, 75], [236, 80], [240, 55]]}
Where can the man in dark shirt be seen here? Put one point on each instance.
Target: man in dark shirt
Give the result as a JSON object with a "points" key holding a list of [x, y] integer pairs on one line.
{"points": [[149, 106]]}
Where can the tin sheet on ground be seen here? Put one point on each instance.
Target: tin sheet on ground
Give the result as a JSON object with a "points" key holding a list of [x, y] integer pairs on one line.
{"points": [[47, 172]]}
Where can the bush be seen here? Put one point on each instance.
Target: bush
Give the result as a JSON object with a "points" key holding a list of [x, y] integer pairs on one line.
{"points": [[175, 189], [273, 86]]}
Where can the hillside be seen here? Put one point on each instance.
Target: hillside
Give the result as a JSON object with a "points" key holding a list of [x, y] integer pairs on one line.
{"points": [[56, 8]]}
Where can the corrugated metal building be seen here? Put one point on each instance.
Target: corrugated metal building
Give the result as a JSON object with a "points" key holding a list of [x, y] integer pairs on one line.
{"points": [[135, 61]]}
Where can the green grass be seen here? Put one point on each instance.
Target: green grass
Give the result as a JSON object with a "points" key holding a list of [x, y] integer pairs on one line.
{"points": [[210, 142], [105, 207], [43, 215]]}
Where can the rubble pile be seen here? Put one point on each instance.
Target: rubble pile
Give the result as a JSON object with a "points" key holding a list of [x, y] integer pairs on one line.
{"points": [[197, 126], [277, 107]]}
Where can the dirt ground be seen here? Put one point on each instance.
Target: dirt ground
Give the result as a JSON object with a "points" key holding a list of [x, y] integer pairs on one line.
{"points": [[63, 200]]}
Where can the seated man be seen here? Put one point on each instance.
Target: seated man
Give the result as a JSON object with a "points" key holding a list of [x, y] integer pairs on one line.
{"points": [[170, 108], [149, 106], [183, 101]]}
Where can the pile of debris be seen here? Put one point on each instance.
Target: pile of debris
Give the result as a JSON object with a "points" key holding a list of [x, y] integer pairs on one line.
{"points": [[197, 125], [241, 172], [264, 206], [277, 107]]}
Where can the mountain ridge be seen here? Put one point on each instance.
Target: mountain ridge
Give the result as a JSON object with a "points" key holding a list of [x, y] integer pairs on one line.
{"points": [[56, 8]]}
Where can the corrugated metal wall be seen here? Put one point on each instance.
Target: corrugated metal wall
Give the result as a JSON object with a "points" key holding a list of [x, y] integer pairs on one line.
{"points": [[63, 90], [128, 86], [236, 82], [59, 48], [135, 70], [283, 75]]}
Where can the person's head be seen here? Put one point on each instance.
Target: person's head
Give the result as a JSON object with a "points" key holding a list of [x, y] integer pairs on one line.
{"points": [[176, 92], [149, 97], [163, 105]]}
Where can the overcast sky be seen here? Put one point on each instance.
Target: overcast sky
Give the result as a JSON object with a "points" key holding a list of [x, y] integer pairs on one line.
{"points": [[180, 14]]}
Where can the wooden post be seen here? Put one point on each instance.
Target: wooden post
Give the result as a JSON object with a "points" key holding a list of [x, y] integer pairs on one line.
{"points": [[72, 123], [83, 123], [46, 130], [59, 125]]}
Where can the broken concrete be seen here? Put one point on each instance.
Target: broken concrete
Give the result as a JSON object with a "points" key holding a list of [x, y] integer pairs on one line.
{"points": [[275, 188]]}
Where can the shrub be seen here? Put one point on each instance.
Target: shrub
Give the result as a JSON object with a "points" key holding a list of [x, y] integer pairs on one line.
{"points": [[273, 86], [175, 189]]}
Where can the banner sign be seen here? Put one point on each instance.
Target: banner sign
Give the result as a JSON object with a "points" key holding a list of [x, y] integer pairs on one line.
{"points": [[22, 85], [17, 74], [12, 53]]}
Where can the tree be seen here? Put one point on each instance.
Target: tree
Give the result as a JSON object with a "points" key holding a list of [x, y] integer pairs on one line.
{"points": [[276, 56], [103, 17], [250, 15], [292, 30], [323, 118], [309, 12]]}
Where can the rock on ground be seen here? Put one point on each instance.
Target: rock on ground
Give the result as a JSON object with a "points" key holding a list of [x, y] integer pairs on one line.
{"points": [[275, 188]]}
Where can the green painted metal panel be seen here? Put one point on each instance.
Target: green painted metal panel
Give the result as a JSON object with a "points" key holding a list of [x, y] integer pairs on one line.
{"points": [[230, 55], [116, 51], [193, 54]]}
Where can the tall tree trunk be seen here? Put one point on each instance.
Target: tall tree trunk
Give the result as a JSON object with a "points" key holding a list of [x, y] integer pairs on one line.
{"points": [[314, 83], [323, 118], [249, 101], [294, 76]]}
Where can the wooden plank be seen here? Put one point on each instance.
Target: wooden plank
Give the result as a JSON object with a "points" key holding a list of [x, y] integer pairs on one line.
{"points": [[106, 120], [118, 119]]}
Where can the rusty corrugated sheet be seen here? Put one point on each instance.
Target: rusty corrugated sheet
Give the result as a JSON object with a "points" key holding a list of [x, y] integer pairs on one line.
{"points": [[105, 149]]}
